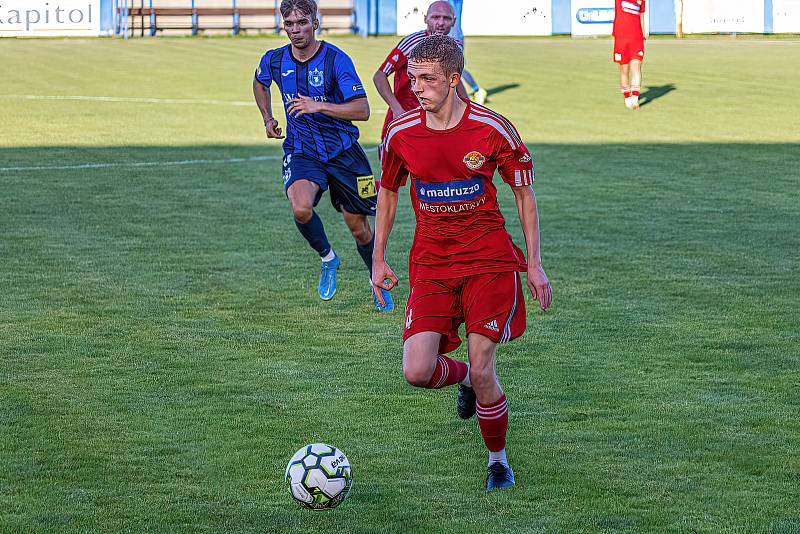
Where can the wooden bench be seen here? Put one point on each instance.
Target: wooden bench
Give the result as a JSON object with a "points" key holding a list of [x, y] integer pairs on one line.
{"points": [[180, 18]]}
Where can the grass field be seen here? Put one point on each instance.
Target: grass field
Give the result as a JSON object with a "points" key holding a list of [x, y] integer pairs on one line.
{"points": [[163, 352]]}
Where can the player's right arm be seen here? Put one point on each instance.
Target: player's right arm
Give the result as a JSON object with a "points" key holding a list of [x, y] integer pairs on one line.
{"points": [[382, 274], [393, 175], [263, 97], [381, 81]]}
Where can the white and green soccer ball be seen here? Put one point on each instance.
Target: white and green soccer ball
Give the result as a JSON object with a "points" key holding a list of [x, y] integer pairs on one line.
{"points": [[319, 476]]}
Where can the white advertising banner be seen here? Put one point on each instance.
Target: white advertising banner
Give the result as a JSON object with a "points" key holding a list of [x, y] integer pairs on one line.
{"points": [[592, 17], [44, 18], [786, 16], [479, 17], [726, 16]]}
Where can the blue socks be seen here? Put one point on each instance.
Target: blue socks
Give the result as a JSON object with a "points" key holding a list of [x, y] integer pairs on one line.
{"points": [[365, 251], [314, 232]]}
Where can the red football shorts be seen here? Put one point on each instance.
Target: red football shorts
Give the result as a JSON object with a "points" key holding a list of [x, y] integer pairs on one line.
{"points": [[626, 49], [489, 304]]}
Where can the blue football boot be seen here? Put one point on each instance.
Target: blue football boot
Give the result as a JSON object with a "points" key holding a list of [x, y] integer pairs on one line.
{"points": [[327, 279], [500, 476], [387, 299]]}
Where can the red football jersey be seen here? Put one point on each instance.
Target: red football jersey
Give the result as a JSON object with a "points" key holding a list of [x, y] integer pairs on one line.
{"points": [[627, 18], [460, 230], [397, 63]]}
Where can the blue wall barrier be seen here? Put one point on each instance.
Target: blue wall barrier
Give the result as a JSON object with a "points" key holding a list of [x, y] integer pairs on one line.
{"points": [[379, 17], [662, 16], [383, 16]]}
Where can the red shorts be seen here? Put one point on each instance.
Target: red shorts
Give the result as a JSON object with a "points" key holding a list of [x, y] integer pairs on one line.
{"points": [[490, 304], [628, 48]]}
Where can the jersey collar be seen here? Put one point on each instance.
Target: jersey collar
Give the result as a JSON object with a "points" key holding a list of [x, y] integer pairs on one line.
{"points": [[321, 46], [467, 111]]}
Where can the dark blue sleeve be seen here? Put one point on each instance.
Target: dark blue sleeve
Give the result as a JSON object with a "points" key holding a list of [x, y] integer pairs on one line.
{"points": [[347, 79], [263, 72]]}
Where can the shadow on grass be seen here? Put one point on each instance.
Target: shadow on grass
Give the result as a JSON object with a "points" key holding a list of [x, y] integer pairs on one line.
{"points": [[656, 92], [500, 88]]}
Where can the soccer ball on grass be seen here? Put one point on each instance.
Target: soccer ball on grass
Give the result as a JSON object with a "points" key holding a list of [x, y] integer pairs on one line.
{"points": [[319, 476]]}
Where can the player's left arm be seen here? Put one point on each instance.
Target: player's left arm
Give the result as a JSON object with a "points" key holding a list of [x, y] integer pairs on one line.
{"points": [[348, 85], [356, 109], [529, 219], [515, 165], [641, 20]]}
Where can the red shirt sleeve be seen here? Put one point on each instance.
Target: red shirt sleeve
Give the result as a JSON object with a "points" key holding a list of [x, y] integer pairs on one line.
{"points": [[393, 169], [389, 65], [514, 162]]}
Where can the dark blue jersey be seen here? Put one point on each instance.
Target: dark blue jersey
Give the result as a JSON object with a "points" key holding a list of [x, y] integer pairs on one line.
{"points": [[329, 76]]}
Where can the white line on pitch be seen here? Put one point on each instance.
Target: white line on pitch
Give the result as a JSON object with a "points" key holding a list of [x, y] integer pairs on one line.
{"points": [[148, 163], [135, 100], [140, 164], [142, 100]]}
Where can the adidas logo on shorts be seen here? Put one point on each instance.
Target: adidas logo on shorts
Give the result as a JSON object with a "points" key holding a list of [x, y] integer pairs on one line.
{"points": [[492, 325]]}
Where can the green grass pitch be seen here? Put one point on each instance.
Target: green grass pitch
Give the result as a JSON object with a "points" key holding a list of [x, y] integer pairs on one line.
{"points": [[163, 351]]}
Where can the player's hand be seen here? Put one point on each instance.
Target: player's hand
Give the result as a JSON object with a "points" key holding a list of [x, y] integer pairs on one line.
{"points": [[540, 286], [301, 105], [382, 277], [273, 131]]}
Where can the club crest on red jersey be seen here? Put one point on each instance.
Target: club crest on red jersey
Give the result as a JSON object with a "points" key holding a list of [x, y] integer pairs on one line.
{"points": [[474, 160]]}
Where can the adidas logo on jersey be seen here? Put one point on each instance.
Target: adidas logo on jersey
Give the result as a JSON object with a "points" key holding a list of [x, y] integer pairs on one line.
{"points": [[492, 325]]}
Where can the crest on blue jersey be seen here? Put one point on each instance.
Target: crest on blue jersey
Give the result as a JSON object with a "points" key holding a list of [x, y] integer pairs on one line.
{"points": [[316, 78]]}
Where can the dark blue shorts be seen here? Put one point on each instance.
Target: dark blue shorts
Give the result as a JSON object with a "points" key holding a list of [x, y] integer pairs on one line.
{"points": [[348, 176]]}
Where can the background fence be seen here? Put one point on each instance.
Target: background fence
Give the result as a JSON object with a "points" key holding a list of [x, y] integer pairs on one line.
{"points": [[388, 17]]}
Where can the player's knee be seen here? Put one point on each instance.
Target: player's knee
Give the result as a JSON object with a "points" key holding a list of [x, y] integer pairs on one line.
{"points": [[362, 234], [416, 376], [302, 214], [482, 376]]}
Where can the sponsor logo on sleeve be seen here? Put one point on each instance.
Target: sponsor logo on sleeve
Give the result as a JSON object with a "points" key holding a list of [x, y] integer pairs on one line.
{"points": [[358, 87]]}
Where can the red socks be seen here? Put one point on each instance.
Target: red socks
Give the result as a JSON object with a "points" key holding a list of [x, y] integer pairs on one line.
{"points": [[635, 90], [626, 92], [493, 420], [447, 372]]}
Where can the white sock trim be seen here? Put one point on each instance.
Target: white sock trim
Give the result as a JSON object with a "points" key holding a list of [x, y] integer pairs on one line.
{"points": [[329, 256], [499, 456]]}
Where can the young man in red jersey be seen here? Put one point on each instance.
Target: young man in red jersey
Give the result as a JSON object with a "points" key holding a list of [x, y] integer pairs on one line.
{"points": [[629, 48], [439, 20], [463, 265]]}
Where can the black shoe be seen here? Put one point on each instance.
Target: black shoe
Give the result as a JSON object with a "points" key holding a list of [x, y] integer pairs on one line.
{"points": [[500, 476], [465, 403]]}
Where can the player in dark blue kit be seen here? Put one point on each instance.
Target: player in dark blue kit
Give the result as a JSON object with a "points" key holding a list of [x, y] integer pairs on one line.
{"points": [[321, 94]]}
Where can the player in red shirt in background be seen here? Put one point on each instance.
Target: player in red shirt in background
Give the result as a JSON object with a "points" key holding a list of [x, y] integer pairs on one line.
{"points": [[629, 48], [439, 20], [463, 265]]}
